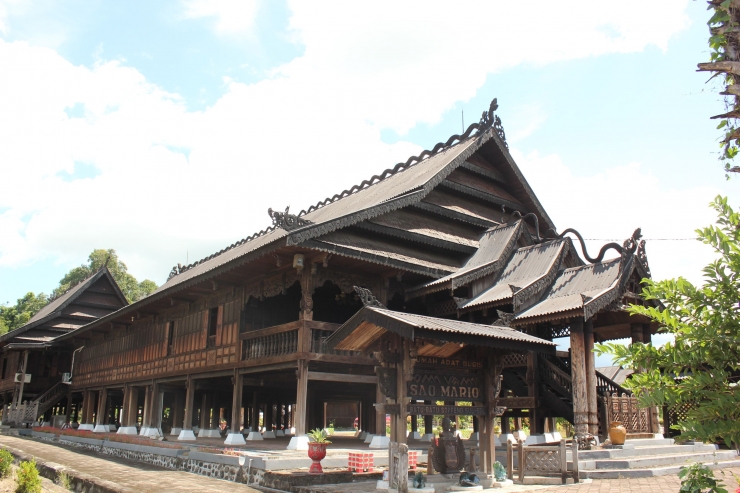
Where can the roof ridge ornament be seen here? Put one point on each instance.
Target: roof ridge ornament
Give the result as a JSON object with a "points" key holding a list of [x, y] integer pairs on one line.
{"points": [[626, 249], [504, 319], [286, 220], [488, 120], [367, 297]]}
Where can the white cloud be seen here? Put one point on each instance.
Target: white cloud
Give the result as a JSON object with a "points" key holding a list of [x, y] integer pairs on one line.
{"points": [[230, 16], [612, 203], [172, 180]]}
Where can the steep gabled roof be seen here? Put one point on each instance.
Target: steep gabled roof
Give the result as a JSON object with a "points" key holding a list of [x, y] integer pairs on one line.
{"points": [[530, 271], [61, 315], [494, 249], [581, 291]]}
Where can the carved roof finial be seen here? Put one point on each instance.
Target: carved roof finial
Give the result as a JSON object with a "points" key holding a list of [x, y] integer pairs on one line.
{"points": [[286, 220], [367, 298]]}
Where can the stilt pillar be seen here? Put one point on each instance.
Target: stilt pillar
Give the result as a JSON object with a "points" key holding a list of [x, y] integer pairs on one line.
{"points": [[235, 437], [101, 415], [178, 403], [187, 424], [300, 440], [593, 412], [578, 375], [636, 331], [130, 411]]}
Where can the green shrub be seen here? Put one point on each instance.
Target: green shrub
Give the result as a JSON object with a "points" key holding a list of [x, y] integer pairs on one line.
{"points": [[28, 478], [64, 480], [6, 461]]}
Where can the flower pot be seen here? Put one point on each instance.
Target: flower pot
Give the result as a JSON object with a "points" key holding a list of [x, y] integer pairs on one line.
{"points": [[316, 452], [617, 433]]}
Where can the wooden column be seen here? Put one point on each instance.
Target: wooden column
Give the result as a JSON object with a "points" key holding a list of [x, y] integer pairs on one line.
{"points": [[24, 368], [593, 411], [178, 404], [647, 334], [286, 420], [146, 417], [487, 439], [131, 403], [68, 409], [578, 375], [187, 423], [428, 422], [215, 412], [301, 398], [379, 412], [204, 417], [155, 415], [236, 402], [647, 338], [398, 421], [307, 281], [534, 413], [255, 412], [636, 330], [100, 418]]}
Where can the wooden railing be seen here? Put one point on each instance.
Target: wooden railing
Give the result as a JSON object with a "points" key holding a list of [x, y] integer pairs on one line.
{"points": [[626, 409], [556, 378], [606, 386], [51, 396], [299, 336]]}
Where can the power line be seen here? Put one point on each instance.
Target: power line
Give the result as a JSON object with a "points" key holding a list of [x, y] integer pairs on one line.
{"points": [[646, 239]]}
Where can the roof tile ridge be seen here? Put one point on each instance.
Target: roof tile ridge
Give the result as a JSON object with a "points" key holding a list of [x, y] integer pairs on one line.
{"points": [[487, 121], [179, 269], [71, 287]]}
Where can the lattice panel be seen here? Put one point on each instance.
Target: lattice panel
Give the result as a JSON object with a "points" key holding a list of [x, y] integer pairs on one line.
{"points": [[514, 360], [548, 461], [627, 411]]}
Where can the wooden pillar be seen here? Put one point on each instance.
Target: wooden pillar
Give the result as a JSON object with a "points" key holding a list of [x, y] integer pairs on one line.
{"points": [[204, 418], [146, 414], [379, 412], [487, 439], [255, 412], [236, 402], [636, 330], [647, 338], [178, 403], [532, 384], [68, 409], [428, 424], [593, 412], [155, 415], [647, 334], [187, 423], [307, 281], [286, 420], [100, 418], [131, 411], [578, 375], [403, 367], [302, 397]]}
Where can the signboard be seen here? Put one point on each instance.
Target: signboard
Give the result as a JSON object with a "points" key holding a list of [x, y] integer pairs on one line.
{"points": [[425, 410], [517, 402], [462, 364], [440, 386]]}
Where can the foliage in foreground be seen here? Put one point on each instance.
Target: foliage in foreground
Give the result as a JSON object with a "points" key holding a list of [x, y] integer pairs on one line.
{"points": [[64, 480], [28, 478], [698, 478], [6, 462], [701, 368]]}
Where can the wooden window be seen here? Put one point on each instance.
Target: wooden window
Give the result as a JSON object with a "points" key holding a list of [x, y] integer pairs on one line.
{"points": [[170, 337]]}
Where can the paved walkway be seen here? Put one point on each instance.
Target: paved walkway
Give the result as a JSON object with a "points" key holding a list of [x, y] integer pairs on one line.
{"points": [[130, 476]]}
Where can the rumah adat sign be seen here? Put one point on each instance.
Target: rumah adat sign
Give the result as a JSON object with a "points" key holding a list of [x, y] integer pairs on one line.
{"points": [[441, 379]]}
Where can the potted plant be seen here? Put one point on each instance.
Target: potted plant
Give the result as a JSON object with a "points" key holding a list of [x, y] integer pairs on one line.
{"points": [[317, 449]]}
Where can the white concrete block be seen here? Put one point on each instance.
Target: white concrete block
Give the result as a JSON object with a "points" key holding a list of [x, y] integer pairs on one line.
{"points": [[268, 434], [255, 436], [176, 432], [507, 437], [100, 429], [186, 435], [280, 433], [556, 436], [195, 429], [427, 437], [127, 430], [86, 427], [380, 442], [298, 443], [369, 438], [235, 439], [502, 484], [414, 435], [150, 432], [549, 438], [475, 436], [535, 439], [362, 435]]}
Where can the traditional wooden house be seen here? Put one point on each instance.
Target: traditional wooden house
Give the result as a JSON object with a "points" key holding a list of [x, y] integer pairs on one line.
{"points": [[447, 260], [34, 370]]}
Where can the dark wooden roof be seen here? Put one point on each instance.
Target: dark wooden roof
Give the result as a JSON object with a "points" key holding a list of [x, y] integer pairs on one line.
{"points": [[95, 297], [364, 328]]}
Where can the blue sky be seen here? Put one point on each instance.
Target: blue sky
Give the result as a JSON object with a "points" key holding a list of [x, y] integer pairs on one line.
{"points": [[166, 129]]}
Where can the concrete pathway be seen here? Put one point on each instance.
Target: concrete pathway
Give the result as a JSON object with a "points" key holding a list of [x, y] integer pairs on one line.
{"points": [[129, 476]]}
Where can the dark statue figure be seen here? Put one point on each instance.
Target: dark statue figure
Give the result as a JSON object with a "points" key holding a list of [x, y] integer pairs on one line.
{"points": [[447, 454]]}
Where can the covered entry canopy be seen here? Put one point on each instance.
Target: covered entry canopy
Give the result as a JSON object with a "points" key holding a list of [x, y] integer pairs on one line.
{"points": [[368, 325]]}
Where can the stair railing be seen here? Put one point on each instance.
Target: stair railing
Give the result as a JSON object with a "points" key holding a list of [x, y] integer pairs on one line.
{"points": [[607, 387], [556, 378]]}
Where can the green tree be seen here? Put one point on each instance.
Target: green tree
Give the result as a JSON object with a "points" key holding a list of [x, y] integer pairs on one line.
{"points": [[12, 317], [701, 368], [131, 288]]}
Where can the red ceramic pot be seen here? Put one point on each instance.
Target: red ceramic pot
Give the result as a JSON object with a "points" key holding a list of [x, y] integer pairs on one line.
{"points": [[316, 452]]}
